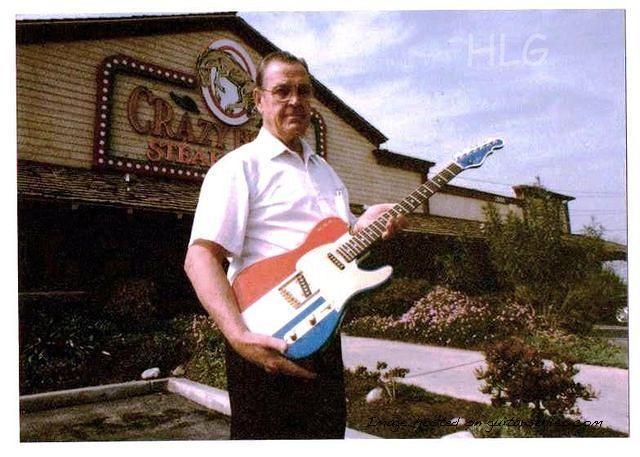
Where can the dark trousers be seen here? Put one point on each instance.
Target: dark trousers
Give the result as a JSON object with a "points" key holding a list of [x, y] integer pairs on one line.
{"points": [[266, 406]]}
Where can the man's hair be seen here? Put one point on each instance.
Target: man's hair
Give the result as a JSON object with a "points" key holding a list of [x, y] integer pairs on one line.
{"points": [[280, 56]]}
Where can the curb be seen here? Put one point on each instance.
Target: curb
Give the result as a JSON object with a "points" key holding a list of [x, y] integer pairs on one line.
{"points": [[207, 396], [202, 394], [94, 394]]}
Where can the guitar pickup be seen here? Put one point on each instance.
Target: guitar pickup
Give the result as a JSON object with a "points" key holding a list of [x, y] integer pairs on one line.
{"points": [[335, 261], [296, 290]]}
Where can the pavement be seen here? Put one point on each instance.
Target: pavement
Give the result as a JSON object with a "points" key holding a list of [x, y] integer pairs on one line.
{"points": [[159, 409], [150, 417], [449, 371]]}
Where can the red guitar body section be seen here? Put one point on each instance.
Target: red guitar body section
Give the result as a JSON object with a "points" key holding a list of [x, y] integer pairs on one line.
{"points": [[256, 280]]}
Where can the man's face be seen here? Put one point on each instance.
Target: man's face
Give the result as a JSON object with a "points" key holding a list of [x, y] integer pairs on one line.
{"points": [[285, 102]]}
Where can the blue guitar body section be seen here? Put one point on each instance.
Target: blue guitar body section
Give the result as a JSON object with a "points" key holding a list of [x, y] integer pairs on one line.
{"points": [[300, 317], [316, 338], [321, 334]]}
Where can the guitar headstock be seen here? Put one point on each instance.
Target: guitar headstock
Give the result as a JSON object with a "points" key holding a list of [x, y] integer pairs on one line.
{"points": [[475, 158]]}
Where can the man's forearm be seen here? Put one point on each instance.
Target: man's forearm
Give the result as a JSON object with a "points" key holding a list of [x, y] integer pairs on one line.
{"points": [[204, 268], [214, 291]]}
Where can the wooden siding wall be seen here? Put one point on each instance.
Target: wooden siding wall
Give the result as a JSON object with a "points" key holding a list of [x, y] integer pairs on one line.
{"points": [[466, 207], [351, 156], [56, 92]]}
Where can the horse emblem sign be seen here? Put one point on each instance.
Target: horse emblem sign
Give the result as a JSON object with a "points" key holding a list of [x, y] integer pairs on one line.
{"points": [[226, 74]]}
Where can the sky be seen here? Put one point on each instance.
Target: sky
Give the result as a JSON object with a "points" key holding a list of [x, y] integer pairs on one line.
{"points": [[550, 83]]}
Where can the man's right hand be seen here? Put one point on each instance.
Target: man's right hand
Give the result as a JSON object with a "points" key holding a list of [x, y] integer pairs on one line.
{"points": [[203, 266], [266, 352]]}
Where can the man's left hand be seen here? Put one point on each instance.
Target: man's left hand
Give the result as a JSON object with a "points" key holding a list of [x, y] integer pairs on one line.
{"points": [[394, 224]]}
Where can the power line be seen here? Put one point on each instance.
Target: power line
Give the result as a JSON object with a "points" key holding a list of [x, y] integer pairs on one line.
{"points": [[580, 193], [599, 211], [596, 196]]}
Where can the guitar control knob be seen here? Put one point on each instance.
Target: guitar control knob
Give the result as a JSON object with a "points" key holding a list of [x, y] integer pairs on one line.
{"points": [[294, 337], [313, 321]]}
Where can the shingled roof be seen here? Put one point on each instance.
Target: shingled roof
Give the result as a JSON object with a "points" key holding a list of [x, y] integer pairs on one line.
{"points": [[43, 181], [78, 185]]}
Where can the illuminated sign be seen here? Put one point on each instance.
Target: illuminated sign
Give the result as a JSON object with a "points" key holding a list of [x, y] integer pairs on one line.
{"points": [[154, 120], [151, 120]]}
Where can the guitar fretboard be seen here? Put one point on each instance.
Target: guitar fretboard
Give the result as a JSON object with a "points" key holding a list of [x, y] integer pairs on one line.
{"points": [[362, 241]]}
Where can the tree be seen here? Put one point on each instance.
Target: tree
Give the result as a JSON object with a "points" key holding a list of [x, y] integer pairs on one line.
{"points": [[561, 276]]}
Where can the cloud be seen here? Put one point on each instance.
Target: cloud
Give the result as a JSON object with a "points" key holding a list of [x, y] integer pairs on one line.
{"points": [[332, 41]]}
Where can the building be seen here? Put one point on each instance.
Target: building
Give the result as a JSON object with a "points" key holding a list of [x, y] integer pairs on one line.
{"points": [[119, 119]]}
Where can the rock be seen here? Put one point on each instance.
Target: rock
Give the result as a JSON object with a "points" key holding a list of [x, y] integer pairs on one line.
{"points": [[375, 395], [178, 371], [464, 434], [457, 421], [151, 373]]}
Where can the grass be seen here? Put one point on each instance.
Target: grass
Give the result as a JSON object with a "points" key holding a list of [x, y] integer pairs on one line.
{"points": [[417, 413], [593, 349]]}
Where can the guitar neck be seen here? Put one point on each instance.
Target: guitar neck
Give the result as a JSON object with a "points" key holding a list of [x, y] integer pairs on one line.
{"points": [[358, 244]]}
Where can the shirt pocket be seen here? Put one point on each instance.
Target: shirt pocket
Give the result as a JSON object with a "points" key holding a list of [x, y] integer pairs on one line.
{"points": [[333, 201]]}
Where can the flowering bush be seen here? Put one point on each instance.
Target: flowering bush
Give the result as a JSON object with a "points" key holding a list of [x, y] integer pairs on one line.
{"points": [[516, 375], [450, 318]]}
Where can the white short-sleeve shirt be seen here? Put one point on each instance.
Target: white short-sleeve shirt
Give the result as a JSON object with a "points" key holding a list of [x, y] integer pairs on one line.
{"points": [[262, 200]]}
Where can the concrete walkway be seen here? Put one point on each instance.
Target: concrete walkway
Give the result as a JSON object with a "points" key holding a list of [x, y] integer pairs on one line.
{"points": [[451, 372]]}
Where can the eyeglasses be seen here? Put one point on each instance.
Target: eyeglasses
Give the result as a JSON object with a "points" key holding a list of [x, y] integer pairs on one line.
{"points": [[284, 93]]}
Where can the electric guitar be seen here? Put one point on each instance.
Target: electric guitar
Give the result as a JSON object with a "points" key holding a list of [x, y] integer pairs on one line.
{"points": [[301, 296]]}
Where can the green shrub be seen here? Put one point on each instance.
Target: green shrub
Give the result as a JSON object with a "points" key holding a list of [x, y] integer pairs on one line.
{"points": [[553, 343], [206, 362], [465, 267], [65, 350], [62, 351], [561, 276], [383, 377], [517, 376], [593, 300], [506, 422]]}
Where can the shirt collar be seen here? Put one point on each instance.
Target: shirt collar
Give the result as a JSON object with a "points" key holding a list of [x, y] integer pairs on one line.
{"points": [[273, 147]]}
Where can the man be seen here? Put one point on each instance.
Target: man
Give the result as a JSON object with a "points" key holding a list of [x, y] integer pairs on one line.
{"points": [[257, 202]]}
